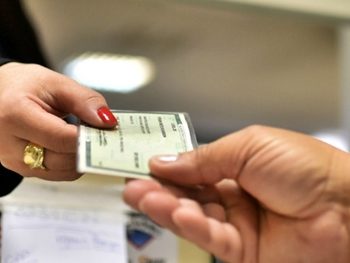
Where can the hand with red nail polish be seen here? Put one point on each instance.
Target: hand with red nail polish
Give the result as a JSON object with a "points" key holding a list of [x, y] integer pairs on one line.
{"points": [[33, 102], [260, 195]]}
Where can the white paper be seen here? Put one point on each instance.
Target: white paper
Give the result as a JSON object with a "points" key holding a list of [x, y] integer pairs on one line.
{"points": [[49, 222], [34, 234]]}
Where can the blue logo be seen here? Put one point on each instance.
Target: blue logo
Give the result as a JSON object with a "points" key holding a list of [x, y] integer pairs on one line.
{"points": [[141, 230], [138, 238]]}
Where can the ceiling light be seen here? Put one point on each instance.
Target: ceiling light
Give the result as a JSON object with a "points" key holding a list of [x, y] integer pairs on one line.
{"points": [[110, 72]]}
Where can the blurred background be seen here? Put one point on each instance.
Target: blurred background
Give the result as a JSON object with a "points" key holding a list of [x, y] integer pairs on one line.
{"points": [[228, 65]]}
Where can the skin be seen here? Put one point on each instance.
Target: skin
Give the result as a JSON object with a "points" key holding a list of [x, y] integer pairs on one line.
{"points": [[258, 195], [33, 102]]}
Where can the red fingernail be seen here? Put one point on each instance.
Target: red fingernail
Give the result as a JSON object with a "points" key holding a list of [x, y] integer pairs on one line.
{"points": [[107, 116]]}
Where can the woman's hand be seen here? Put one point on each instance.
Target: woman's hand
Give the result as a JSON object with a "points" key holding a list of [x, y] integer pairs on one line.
{"points": [[33, 101], [259, 195]]}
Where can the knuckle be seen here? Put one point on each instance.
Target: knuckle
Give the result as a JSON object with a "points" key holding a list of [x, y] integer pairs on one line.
{"points": [[203, 160], [201, 155], [94, 97], [10, 113], [36, 68], [257, 136], [90, 97], [256, 129]]}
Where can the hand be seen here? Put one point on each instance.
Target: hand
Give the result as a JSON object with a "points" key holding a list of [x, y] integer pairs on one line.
{"points": [[33, 101], [259, 195]]}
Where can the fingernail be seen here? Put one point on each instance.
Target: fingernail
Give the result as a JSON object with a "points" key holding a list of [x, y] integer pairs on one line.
{"points": [[167, 158], [107, 116]]}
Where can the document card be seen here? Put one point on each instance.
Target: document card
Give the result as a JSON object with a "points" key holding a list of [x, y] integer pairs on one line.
{"points": [[126, 150]]}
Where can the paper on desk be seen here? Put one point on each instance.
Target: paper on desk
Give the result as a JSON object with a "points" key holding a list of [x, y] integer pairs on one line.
{"points": [[43, 234], [50, 231]]}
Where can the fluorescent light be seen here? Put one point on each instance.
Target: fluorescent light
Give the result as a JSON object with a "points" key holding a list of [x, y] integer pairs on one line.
{"points": [[110, 72]]}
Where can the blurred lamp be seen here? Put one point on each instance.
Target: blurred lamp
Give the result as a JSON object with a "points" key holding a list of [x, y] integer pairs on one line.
{"points": [[110, 72]]}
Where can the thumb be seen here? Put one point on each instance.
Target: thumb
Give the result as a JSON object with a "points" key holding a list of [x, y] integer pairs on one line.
{"points": [[208, 164], [88, 105]]}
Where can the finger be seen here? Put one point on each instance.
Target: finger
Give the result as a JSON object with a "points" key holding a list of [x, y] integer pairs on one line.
{"points": [[87, 104], [241, 210], [51, 175], [52, 160], [41, 96], [191, 204], [42, 128], [163, 208], [134, 191], [228, 202], [159, 205], [153, 200], [221, 239], [56, 164], [205, 165], [226, 158]]}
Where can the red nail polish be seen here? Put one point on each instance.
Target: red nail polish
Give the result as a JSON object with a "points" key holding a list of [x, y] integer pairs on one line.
{"points": [[107, 116]]}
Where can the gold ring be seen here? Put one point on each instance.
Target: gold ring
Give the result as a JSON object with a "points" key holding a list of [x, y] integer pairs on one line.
{"points": [[34, 156]]}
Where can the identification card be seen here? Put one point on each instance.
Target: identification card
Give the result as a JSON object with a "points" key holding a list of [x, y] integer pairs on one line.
{"points": [[126, 151]]}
